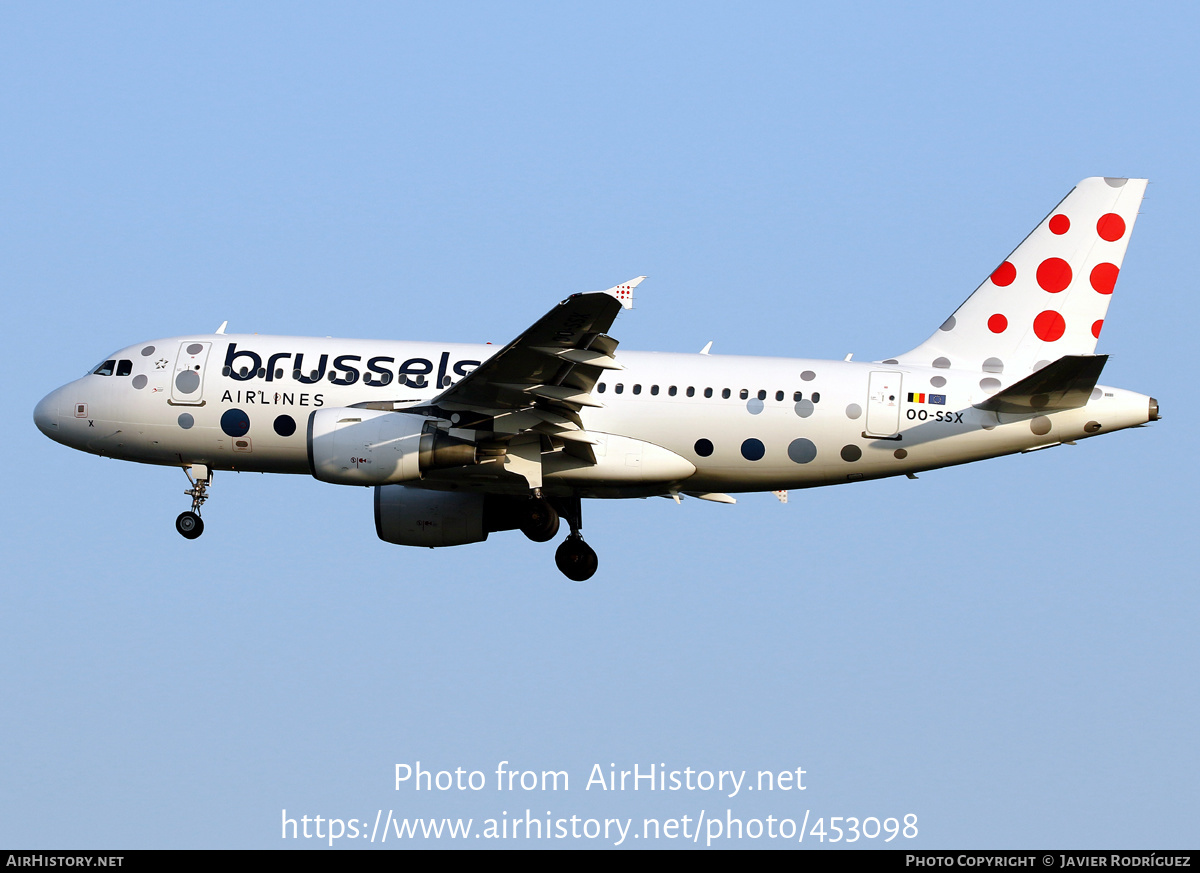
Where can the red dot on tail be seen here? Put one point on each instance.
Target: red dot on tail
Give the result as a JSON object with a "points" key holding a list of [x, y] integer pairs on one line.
{"points": [[1054, 275], [1096, 325], [1060, 224], [997, 323], [1104, 277], [1004, 274], [1049, 326], [1111, 227]]}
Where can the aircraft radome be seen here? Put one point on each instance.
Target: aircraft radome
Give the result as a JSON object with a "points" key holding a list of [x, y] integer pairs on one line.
{"points": [[460, 441]]}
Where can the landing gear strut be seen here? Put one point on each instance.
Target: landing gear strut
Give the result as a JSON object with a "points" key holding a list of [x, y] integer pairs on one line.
{"points": [[190, 524], [575, 558]]}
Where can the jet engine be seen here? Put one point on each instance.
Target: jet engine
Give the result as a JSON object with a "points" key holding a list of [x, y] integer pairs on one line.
{"points": [[349, 446], [415, 517]]}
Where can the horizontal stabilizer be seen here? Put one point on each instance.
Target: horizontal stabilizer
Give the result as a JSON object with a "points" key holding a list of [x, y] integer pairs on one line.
{"points": [[1065, 384]]}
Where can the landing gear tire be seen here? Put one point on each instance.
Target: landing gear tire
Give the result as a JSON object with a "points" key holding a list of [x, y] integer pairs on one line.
{"points": [[189, 525], [541, 523], [576, 559]]}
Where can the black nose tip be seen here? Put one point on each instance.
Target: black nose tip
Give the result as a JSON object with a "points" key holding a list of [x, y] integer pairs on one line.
{"points": [[1154, 416]]}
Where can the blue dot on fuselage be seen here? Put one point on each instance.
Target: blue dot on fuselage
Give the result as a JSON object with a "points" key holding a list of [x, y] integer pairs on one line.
{"points": [[235, 423], [753, 450]]}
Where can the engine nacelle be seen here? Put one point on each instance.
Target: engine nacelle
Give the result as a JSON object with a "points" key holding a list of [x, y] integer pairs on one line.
{"points": [[415, 517], [350, 446]]}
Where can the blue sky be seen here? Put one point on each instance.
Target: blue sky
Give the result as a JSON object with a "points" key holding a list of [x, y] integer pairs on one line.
{"points": [[1006, 650]]}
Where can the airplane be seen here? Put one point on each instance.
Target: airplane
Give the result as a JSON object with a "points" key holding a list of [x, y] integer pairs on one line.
{"points": [[461, 441]]}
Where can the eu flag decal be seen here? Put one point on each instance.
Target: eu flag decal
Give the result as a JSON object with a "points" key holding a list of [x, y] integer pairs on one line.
{"points": [[939, 399]]}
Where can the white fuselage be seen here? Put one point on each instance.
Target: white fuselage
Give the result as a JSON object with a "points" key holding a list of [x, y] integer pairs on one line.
{"points": [[745, 423]]}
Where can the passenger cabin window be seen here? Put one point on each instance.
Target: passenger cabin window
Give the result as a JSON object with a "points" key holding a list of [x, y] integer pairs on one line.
{"points": [[672, 390], [798, 396], [619, 388], [778, 395], [653, 389], [601, 387], [725, 393], [105, 369], [637, 389], [743, 394], [124, 368], [708, 392], [816, 398], [762, 395], [691, 392]]}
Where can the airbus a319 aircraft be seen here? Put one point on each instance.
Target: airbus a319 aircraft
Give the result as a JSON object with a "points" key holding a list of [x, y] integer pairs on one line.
{"points": [[460, 441]]}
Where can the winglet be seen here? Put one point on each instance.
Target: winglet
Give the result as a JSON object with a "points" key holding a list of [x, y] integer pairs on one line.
{"points": [[221, 329], [624, 291]]}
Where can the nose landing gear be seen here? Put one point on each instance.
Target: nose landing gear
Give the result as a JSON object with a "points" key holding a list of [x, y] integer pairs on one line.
{"points": [[190, 524]]}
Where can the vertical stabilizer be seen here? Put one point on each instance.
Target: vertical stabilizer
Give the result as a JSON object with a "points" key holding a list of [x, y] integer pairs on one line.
{"points": [[1049, 297]]}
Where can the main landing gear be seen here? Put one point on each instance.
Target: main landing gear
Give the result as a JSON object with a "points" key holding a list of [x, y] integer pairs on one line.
{"points": [[575, 558], [190, 524], [541, 519]]}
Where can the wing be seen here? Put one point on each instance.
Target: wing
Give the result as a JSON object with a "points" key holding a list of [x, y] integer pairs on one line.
{"points": [[536, 385]]}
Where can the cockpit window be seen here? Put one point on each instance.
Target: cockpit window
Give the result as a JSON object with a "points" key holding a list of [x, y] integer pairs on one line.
{"points": [[105, 369], [124, 368]]}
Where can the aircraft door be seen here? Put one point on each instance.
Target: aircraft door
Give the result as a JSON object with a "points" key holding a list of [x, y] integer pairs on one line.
{"points": [[883, 403], [187, 382]]}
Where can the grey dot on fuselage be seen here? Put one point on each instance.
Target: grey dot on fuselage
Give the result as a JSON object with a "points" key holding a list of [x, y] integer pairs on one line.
{"points": [[989, 384], [948, 324], [808, 375], [804, 408], [1097, 393], [802, 451], [942, 363], [754, 406], [993, 365], [186, 420], [851, 453], [147, 351], [195, 349], [937, 381], [1115, 183], [187, 381], [853, 411], [1039, 365], [1040, 425], [139, 381]]}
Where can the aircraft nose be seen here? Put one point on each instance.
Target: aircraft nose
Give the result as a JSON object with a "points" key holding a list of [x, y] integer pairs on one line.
{"points": [[45, 414]]}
